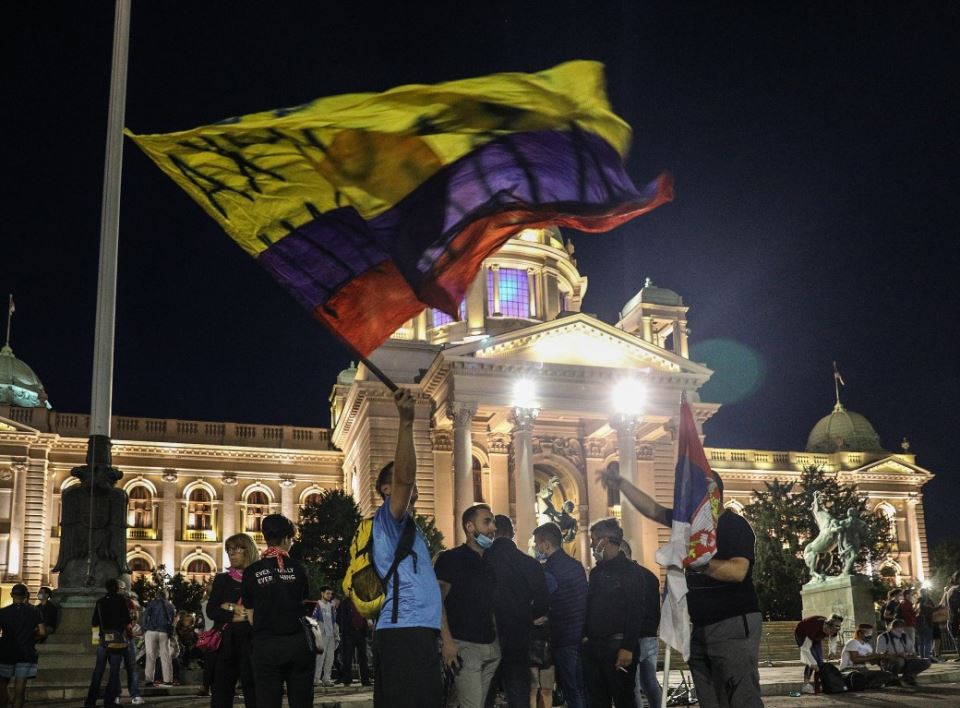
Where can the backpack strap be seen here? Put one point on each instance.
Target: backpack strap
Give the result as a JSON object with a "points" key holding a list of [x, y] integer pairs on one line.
{"points": [[404, 549]]}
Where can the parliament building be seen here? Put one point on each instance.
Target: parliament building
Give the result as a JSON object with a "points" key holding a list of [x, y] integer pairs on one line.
{"points": [[518, 407]]}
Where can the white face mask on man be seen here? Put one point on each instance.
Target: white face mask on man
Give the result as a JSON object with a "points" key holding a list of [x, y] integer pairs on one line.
{"points": [[598, 551]]}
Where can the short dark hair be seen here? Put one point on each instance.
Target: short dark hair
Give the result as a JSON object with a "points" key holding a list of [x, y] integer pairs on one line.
{"points": [[607, 528], [275, 528], [899, 623], [19, 590], [504, 526], [112, 585], [471, 513], [548, 532], [893, 593], [47, 590], [385, 476]]}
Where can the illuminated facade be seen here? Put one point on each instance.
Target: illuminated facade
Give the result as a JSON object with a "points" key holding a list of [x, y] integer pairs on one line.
{"points": [[193, 483]]}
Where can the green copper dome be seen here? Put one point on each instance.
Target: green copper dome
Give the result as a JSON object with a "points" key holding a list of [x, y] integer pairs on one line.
{"points": [[19, 386], [843, 430], [347, 376]]}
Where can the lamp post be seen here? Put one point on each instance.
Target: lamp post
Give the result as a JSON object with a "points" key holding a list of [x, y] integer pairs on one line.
{"points": [[525, 412], [629, 397]]}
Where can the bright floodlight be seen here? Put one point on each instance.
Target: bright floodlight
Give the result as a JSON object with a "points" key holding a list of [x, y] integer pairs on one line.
{"points": [[926, 585], [523, 394], [629, 397]]}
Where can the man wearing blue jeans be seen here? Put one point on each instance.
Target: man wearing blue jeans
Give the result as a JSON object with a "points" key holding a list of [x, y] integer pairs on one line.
{"points": [[567, 581], [111, 614]]}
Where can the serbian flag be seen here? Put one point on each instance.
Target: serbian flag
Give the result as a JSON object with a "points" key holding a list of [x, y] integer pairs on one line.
{"points": [[370, 207], [693, 537]]}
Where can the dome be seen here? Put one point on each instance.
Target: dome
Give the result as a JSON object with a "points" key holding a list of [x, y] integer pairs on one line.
{"points": [[347, 376], [19, 386], [652, 295], [843, 430]]}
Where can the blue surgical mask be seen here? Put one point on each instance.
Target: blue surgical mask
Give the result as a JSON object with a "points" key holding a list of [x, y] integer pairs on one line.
{"points": [[483, 540], [539, 555]]}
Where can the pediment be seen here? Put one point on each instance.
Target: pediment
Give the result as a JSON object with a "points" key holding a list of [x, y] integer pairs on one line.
{"points": [[893, 465], [577, 340]]}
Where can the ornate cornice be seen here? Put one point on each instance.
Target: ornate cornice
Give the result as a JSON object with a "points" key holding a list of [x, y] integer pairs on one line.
{"points": [[594, 447], [498, 443], [441, 439], [461, 413], [210, 452]]}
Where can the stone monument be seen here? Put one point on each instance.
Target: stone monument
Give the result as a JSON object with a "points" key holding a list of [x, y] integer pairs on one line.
{"points": [[846, 594]]}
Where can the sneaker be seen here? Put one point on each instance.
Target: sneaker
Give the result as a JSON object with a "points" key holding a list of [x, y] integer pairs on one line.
{"points": [[328, 684], [807, 688], [137, 701]]}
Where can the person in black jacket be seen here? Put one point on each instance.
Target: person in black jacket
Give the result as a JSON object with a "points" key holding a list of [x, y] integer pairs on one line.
{"points": [[21, 625], [111, 614], [225, 610], [520, 598], [614, 620], [649, 624], [274, 590], [353, 638]]}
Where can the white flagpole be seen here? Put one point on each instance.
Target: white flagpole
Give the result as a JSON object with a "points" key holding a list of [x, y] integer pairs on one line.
{"points": [[102, 386], [666, 676]]}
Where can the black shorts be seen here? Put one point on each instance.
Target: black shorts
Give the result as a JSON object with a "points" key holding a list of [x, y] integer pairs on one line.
{"points": [[407, 668]]}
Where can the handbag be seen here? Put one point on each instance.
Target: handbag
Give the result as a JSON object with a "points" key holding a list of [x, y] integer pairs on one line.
{"points": [[111, 639], [541, 657], [314, 634], [209, 639]]}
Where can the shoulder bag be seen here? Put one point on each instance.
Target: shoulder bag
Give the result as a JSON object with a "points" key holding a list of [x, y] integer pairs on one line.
{"points": [[113, 640]]}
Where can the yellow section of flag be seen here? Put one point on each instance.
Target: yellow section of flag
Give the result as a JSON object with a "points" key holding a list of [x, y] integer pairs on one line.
{"points": [[262, 174]]}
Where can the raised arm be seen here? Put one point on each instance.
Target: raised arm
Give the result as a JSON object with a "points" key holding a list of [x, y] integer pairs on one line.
{"points": [[405, 459], [640, 501]]}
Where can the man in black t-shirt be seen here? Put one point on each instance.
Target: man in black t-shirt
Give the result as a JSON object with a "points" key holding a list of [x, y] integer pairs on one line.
{"points": [[467, 629], [725, 640], [21, 624], [273, 591]]}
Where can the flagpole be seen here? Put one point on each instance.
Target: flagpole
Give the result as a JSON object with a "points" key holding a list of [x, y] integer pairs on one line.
{"points": [[9, 318], [102, 384], [666, 676]]}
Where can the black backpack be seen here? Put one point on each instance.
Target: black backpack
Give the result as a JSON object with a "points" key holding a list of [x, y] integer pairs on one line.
{"points": [[831, 680]]}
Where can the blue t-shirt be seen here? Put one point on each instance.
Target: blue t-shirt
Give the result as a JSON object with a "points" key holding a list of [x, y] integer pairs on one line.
{"points": [[419, 604]]}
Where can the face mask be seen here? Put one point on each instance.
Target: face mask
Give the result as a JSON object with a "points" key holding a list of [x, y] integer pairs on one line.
{"points": [[539, 555], [598, 551], [867, 637], [482, 540]]}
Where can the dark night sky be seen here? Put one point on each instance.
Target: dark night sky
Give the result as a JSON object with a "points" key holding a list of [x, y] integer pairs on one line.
{"points": [[815, 149]]}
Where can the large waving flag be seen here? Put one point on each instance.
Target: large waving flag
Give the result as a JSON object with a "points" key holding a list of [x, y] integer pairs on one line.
{"points": [[369, 207], [693, 536]]}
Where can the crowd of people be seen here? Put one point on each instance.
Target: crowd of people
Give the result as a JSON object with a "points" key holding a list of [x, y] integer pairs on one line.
{"points": [[905, 643], [492, 623]]}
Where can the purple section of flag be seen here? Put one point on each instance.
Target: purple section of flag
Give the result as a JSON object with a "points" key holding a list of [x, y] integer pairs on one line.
{"points": [[574, 172]]}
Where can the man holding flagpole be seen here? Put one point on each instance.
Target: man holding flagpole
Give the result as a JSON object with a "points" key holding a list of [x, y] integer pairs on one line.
{"points": [[710, 563]]}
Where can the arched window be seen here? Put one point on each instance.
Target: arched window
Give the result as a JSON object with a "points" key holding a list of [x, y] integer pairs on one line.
{"points": [[439, 318], [199, 510], [258, 506], [477, 482], [198, 569], [140, 510], [139, 566], [311, 498], [513, 290]]}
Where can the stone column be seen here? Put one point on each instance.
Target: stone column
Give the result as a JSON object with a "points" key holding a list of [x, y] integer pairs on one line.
{"points": [[597, 508], [916, 553], [630, 519], [495, 269], [682, 336], [286, 498], [442, 443], [461, 414], [229, 517], [647, 328], [526, 520], [36, 534], [168, 522], [498, 449], [583, 534], [531, 299], [15, 542], [476, 299]]}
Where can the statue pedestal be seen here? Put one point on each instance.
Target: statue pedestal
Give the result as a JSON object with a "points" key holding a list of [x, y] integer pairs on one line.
{"points": [[68, 655], [849, 596]]}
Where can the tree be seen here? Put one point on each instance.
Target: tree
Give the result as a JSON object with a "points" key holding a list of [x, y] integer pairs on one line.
{"points": [[327, 526], [784, 524], [186, 595], [431, 534], [944, 562]]}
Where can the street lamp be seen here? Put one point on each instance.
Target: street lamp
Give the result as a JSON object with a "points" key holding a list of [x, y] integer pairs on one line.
{"points": [[524, 396], [629, 398]]}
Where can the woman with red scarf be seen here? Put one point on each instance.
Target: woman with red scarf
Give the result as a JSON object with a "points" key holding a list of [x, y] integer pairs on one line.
{"points": [[226, 610]]}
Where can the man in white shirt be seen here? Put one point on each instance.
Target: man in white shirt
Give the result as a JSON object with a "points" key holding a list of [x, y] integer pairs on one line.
{"points": [[323, 614], [897, 657], [858, 652]]}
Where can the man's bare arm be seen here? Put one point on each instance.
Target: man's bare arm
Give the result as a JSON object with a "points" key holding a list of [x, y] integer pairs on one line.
{"points": [[405, 459], [642, 502], [449, 649], [732, 570]]}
